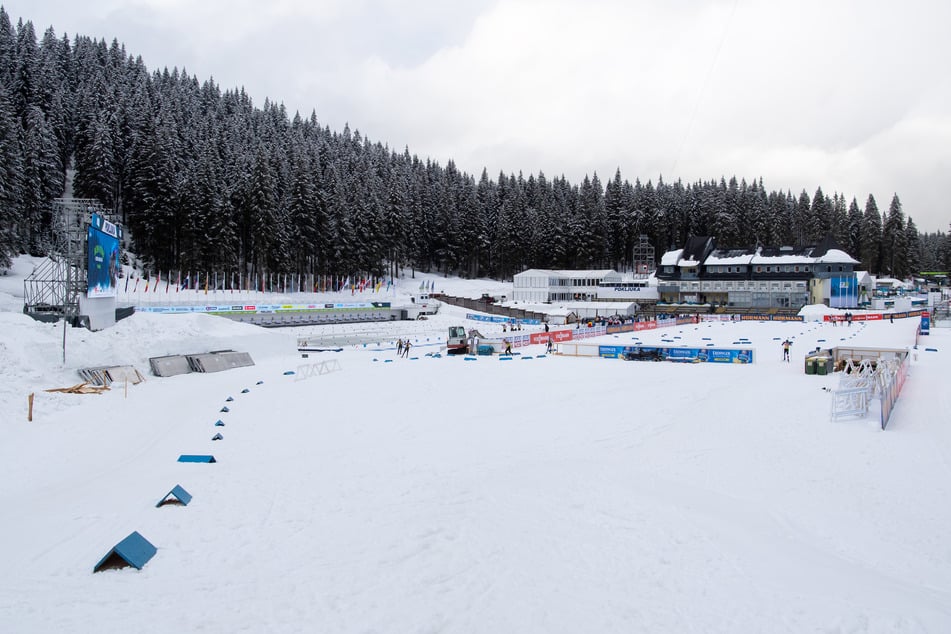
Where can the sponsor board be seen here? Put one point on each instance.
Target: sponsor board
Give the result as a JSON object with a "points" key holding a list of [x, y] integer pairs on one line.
{"points": [[263, 308]]}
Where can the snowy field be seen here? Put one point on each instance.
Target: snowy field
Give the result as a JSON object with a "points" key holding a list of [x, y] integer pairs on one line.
{"points": [[551, 495]]}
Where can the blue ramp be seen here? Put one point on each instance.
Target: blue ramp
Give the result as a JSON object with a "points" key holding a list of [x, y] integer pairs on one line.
{"points": [[177, 495], [195, 458], [134, 551], [217, 437]]}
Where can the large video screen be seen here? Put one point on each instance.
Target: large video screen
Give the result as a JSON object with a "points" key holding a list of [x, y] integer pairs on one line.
{"points": [[103, 268], [843, 292]]}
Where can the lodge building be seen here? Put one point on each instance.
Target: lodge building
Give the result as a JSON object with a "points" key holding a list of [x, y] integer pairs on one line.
{"points": [[758, 278]]}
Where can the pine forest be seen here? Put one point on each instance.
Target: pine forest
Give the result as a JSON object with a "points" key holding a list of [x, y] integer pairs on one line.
{"points": [[203, 180]]}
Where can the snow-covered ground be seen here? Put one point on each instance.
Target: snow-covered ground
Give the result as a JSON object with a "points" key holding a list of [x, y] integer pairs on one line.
{"points": [[552, 494]]}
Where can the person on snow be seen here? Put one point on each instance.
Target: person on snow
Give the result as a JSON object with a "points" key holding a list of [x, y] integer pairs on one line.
{"points": [[786, 345], [551, 345], [399, 347], [508, 346], [406, 348]]}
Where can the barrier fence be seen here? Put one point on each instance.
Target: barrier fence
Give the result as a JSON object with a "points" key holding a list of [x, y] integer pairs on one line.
{"points": [[891, 389]]}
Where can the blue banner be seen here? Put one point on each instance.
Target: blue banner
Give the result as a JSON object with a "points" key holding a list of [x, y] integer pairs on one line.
{"points": [[690, 355], [103, 265]]}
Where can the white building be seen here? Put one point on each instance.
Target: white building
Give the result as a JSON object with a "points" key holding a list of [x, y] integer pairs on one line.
{"points": [[543, 285]]}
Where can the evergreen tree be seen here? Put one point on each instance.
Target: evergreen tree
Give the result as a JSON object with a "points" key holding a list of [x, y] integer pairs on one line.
{"points": [[946, 252], [840, 221], [803, 226], [820, 217], [11, 179], [871, 237], [42, 179], [913, 257], [894, 245], [854, 242]]}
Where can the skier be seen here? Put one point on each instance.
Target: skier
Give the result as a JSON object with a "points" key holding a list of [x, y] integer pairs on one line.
{"points": [[399, 347], [406, 349], [508, 347], [551, 345], [786, 346]]}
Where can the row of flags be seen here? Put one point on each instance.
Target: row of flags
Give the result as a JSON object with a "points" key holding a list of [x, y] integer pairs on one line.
{"points": [[275, 283]]}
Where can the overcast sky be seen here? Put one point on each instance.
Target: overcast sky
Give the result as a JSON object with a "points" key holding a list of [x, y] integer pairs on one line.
{"points": [[852, 95]]}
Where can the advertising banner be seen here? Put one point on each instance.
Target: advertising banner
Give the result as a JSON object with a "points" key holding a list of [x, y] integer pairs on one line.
{"points": [[557, 336], [689, 355], [103, 265]]}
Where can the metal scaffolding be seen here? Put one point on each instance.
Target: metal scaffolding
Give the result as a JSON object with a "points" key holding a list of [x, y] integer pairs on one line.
{"points": [[53, 290], [644, 263]]}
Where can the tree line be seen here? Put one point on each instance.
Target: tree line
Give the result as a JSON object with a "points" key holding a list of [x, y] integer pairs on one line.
{"points": [[205, 181]]}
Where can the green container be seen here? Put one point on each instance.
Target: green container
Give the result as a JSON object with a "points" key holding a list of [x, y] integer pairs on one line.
{"points": [[822, 366], [810, 365]]}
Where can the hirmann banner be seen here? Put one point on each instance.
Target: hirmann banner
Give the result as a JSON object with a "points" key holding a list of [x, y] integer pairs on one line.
{"points": [[103, 265]]}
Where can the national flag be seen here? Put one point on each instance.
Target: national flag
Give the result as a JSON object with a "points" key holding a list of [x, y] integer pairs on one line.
{"points": [[147, 280], [168, 281], [135, 288], [158, 278], [197, 281], [126, 283]]}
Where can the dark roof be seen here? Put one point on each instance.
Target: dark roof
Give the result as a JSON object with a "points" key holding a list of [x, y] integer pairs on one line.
{"points": [[827, 244], [697, 248]]}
